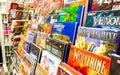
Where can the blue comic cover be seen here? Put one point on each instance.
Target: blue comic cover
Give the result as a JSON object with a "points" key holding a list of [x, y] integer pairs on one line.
{"points": [[104, 19], [66, 28]]}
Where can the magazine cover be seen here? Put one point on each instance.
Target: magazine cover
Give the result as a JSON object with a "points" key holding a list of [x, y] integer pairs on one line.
{"points": [[97, 5], [23, 69], [96, 40], [26, 46], [68, 3], [18, 25], [41, 39], [49, 62], [31, 36], [66, 28], [40, 70], [65, 69], [36, 51], [88, 63], [59, 48], [71, 14], [103, 19]]}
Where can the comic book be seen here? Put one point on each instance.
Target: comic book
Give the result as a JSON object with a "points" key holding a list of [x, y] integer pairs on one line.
{"points": [[40, 70], [103, 19], [65, 69], [88, 63], [71, 14], [58, 47], [66, 28], [98, 5], [49, 62], [68, 3], [96, 40]]}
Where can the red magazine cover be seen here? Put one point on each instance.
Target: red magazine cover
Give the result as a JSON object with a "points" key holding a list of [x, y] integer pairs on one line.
{"points": [[88, 63]]}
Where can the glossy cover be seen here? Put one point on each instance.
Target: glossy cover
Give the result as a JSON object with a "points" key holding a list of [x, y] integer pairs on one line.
{"points": [[96, 40], [41, 39], [40, 70], [65, 69], [97, 5], [49, 62], [66, 28], [58, 48], [31, 36], [68, 3], [71, 14], [88, 63], [104, 19]]}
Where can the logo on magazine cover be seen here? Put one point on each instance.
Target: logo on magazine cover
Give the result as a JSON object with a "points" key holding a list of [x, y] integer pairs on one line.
{"points": [[107, 20]]}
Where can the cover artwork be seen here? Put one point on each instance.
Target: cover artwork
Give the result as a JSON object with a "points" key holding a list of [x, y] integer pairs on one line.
{"points": [[97, 5], [49, 62], [96, 40], [65, 69], [40, 70], [68, 3], [88, 63], [71, 14], [58, 48], [31, 36], [104, 19], [41, 39], [66, 28]]}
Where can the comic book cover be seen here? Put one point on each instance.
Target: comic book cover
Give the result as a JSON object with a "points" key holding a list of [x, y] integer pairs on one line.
{"points": [[23, 69], [41, 39], [88, 63], [68, 3], [36, 51], [65, 69], [71, 14], [103, 19], [96, 40], [66, 28], [49, 62], [97, 5], [40, 70], [58, 48], [31, 36]]}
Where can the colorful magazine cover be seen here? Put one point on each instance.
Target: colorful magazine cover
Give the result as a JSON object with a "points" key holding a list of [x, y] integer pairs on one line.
{"points": [[31, 36], [41, 39], [40, 70], [97, 5], [68, 3], [103, 19], [88, 63], [36, 51], [66, 28], [71, 14], [96, 40], [23, 69], [49, 62], [65, 69]]}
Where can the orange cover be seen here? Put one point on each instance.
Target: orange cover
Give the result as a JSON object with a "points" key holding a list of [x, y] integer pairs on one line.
{"points": [[88, 63]]}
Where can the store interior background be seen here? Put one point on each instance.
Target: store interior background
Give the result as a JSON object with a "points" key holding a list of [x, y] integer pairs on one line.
{"points": [[59, 37]]}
